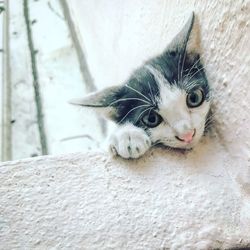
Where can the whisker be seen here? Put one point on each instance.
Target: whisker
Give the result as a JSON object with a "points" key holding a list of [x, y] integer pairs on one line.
{"points": [[210, 120], [196, 72], [183, 62], [189, 85], [143, 113], [128, 99], [208, 124], [138, 92], [143, 105], [151, 94], [178, 70], [194, 65]]}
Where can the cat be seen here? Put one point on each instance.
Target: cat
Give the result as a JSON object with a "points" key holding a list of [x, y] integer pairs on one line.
{"points": [[165, 101]]}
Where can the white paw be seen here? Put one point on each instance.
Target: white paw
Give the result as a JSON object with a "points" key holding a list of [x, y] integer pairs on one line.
{"points": [[129, 142]]}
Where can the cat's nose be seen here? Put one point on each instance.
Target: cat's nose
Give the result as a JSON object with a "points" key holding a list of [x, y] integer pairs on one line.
{"points": [[187, 137]]}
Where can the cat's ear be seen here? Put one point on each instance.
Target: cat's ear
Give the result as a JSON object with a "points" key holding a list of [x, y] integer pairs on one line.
{"points": [[101, 101], [187, 39]]}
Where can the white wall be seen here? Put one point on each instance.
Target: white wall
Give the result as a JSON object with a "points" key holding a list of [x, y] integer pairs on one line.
{"points": [[165, 200]]}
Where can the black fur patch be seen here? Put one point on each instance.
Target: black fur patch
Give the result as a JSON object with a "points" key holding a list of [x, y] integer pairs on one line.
{"points": [[137, 97]]}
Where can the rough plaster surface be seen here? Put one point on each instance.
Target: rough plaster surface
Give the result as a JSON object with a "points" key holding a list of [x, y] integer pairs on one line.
{"points": [[168, 199]]}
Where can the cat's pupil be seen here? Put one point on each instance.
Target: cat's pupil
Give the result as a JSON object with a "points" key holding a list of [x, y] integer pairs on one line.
{"points": [[194, 98], [152, 118]]}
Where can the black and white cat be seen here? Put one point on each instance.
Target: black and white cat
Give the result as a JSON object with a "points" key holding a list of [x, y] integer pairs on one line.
{"points": [[167, 100]]}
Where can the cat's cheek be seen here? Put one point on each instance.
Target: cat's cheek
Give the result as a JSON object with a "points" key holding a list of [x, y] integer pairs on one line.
{"points": [[199, 133], [160, 132], [198, 120]]}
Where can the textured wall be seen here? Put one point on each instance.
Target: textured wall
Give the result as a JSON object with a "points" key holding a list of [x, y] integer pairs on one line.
{"points": [[87, 201]]}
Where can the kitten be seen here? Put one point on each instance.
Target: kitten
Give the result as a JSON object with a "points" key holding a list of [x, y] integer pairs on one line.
{"points": [[167, 100]]}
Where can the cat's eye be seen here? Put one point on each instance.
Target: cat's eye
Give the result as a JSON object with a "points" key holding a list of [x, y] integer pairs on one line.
{"points": [[195, 98], [152, 119]]}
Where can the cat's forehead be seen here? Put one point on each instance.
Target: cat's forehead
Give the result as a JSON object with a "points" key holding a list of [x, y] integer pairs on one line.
{"points": [[179, 76], [170, 97]]}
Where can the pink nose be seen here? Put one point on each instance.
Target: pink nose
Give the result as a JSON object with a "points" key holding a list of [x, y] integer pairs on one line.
{"points": [[188, 137]]}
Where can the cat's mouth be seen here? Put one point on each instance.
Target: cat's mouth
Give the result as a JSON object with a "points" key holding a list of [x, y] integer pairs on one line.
{"points": [[188, 138]]}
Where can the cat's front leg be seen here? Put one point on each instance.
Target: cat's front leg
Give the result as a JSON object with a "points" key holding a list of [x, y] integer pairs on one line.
{"points": [[129, 141]]}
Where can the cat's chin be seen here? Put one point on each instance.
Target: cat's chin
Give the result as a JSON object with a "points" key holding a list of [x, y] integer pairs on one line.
{"points": [[189, 145], [184, 147]]}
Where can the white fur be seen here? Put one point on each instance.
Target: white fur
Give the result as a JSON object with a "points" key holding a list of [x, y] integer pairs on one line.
{"points": [[129, 141]]}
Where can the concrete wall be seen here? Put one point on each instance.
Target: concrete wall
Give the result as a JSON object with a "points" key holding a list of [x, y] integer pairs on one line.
{"points": [[167, 199]]}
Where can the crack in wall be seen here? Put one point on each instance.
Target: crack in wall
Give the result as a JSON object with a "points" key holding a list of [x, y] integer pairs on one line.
{"points": [[33, 52]]}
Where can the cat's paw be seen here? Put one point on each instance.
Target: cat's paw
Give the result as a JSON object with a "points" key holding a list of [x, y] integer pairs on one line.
{"points": [[129, 142]]}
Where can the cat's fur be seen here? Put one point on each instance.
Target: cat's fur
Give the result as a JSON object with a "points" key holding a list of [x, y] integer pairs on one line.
{"points": [[158, 92]]}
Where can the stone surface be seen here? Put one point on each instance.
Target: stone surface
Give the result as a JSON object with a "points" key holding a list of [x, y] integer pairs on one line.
{"points": [[168, 199]]}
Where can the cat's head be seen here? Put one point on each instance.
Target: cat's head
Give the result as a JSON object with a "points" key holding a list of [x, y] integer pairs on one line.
{"points": [[168, 96]]}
